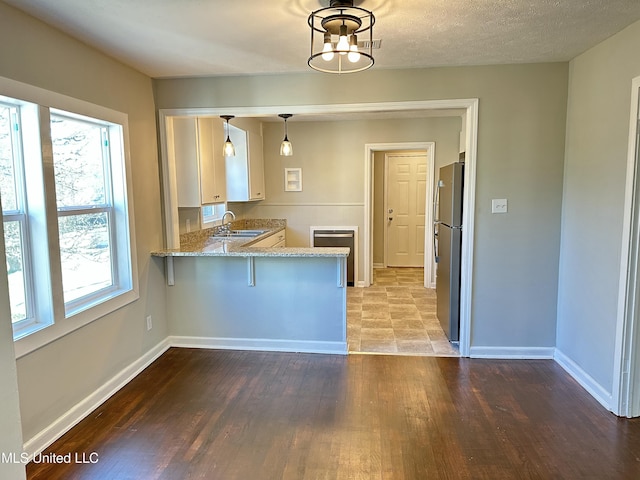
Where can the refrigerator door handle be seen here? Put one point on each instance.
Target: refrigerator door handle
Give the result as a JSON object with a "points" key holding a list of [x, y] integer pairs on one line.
{"points": [[436, 199], [436, 221]]}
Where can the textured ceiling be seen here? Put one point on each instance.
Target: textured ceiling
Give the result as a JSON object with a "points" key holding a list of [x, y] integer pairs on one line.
{"points": [[173, 38]]}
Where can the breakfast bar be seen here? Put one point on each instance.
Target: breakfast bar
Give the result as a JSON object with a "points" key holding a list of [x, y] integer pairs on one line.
{"points": [[228, 293]]}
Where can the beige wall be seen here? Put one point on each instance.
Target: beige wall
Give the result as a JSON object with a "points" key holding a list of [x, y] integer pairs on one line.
{"points": [[522, 111], [595, 171], [11, 437], [59, 375]]}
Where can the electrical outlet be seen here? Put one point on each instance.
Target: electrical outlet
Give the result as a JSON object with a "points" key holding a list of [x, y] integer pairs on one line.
{"points": [[149, 322]]}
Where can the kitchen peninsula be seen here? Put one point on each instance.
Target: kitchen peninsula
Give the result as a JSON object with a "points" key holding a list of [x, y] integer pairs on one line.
{"points": [[230, 292]]}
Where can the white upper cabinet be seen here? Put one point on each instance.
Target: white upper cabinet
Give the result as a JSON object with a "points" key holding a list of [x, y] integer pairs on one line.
{"points": [[245, 171], [199, 162]]}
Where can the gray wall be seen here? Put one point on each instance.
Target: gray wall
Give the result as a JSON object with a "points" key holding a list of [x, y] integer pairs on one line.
{"points": [[211, 297], [522, 116], [331, 155], [595, 168], [57, 376], [521, 147]]}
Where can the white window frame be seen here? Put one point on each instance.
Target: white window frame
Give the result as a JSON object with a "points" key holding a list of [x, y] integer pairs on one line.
{"points": [[21, 216], [111, 203], [40, 189], [216, 217]]}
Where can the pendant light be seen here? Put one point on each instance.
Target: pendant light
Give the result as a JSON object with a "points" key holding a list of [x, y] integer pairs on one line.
{"points": [[286, 149], [228, 149]]}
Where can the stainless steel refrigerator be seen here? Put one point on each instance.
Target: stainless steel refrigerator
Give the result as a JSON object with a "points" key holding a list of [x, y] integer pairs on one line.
{"points": [[448, 243]]}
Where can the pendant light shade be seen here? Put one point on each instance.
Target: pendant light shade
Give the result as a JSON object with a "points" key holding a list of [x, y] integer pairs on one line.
{"points": [[286, 149], [334, 38], [228, 149]]}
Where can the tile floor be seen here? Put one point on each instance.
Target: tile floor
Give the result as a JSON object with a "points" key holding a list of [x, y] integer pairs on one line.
{"points": [[396, 315]]}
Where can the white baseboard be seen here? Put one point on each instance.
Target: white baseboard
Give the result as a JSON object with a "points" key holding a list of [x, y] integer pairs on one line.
{"points": [[300, 346], [515, 353], [83, 408], [73, 416], [378, 265], [585, 380], [46, 437]]}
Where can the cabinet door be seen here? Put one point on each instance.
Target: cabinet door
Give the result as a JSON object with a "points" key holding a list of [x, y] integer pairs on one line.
{"points": [[186, 162], [277, 239], [282, 239], [256, 167], [237, 167], [212, 176]]}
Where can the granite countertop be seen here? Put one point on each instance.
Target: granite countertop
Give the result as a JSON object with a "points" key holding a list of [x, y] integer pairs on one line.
{"points": [[202, 244]]}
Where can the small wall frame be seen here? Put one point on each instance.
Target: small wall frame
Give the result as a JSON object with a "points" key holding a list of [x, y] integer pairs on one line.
{"points": [[292, 179]]}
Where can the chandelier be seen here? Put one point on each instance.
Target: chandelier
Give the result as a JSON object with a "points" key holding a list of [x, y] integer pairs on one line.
{"points": [[334, 38]]}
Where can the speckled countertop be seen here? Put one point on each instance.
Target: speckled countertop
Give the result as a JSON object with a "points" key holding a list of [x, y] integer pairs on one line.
{"points": [[202, 244]]}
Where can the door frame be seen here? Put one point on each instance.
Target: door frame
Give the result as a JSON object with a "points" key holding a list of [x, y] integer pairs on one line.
{"points": [[429, 266], [626, 375], [470, 125]]}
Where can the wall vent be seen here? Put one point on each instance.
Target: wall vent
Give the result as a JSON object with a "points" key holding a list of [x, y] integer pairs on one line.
{"points": [[375, 44]]}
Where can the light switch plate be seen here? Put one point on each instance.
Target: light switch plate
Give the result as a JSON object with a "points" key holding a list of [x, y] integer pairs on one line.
{"points": [[499, 205]]}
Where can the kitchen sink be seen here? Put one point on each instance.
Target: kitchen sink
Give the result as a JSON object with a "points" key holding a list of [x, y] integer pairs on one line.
{"points": [[239, 233]]}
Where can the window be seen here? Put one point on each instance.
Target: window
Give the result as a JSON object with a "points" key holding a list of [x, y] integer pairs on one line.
{"points": [[68, 232], [14, 218], [81, 163], [212, 213]]}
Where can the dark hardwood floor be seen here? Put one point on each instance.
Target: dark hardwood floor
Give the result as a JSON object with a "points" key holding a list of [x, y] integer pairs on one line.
{"points": [[203, 414]]}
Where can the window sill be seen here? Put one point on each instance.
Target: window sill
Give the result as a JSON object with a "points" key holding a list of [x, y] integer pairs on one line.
{"points": [[52, 332]]}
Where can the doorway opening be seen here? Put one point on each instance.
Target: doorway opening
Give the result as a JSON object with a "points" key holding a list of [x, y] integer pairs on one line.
{"points": [[406, 217], [402, 217], [397, 313], [469, 131]]}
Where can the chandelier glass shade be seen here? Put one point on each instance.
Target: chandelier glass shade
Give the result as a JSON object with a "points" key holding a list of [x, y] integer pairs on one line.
{"points": [[228, 150], [286, 149], [334, 38]]}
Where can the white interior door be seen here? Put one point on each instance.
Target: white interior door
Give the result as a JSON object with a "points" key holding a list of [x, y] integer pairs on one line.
{"points": [[406, 187]]}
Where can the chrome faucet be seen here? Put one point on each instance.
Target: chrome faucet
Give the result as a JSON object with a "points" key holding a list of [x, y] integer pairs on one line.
{"points": [[233, 216]]}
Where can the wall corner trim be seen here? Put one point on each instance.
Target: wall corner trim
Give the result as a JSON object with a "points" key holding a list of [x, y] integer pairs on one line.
{"points": [[585, 380]]}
